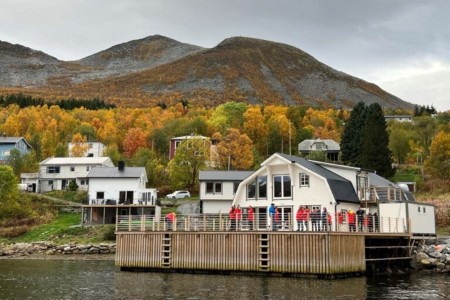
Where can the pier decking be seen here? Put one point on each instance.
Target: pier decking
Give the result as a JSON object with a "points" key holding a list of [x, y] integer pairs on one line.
{"points": [[204, 243]]}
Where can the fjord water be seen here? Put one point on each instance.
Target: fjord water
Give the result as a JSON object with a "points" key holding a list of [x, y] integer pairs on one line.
{"points": [[100, 279]]}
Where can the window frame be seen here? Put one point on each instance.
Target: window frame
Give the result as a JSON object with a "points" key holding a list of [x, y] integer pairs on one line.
{"points": [[214, 189], [282, 185], [303, 176]]}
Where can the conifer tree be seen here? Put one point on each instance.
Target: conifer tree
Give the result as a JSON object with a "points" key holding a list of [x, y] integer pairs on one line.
{"points": [[350, 142], [374, 153]]}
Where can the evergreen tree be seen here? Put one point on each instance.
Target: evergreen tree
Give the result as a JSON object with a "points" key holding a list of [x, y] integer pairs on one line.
{"points": [[350, 142], [374, 152]]}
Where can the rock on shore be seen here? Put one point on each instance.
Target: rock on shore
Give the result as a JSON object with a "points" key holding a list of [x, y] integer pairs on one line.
{"points": [[433, 255], [46, 248]]}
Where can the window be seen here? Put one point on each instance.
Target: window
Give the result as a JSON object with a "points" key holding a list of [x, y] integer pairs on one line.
{"points": [[235, 187], [53, 169], [101, 195], [214, 187], [257, 189], [304, 180], [50, 182], [72, 169], [424, 210], [282, 186]]}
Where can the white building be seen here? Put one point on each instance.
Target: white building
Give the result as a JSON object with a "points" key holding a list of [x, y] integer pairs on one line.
{"points": [[122, 185], [56, 173], [290, 182], [217, 189], [93, 149]]}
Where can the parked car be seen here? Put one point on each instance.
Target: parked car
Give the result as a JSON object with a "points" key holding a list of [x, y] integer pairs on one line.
{"points": [[179, 194]]}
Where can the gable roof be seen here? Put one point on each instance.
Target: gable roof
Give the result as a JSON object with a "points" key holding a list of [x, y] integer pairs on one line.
{"points": [[106, 172], [224, 175], [13, 140], [341, 188], [75, 160], [331, 145]]}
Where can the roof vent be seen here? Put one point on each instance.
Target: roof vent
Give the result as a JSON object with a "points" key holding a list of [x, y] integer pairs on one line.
{"points": [[121, 166]]}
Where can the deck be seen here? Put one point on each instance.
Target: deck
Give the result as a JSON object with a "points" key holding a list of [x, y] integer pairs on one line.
{"points": [[205, 244]]}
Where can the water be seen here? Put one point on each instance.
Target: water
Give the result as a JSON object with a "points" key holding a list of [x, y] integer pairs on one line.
{"points": [[100, 279]]}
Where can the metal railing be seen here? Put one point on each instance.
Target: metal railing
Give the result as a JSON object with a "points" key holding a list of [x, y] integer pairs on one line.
{"points": [[221, 222]]}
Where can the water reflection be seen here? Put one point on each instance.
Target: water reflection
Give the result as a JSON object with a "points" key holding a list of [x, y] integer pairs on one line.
{"points": [[89, 279]]}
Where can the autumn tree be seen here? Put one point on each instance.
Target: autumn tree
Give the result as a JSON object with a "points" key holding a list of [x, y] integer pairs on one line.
{"points": [[256, 128], [399, 144], [79, 145], [189, 159], [438, 163], [134, 139], [234, 150], [228, 115]]}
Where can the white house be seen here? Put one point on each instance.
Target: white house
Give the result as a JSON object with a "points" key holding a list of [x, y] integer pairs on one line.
{"points": [[290, 182], [217, 189], [56, 173], [93, 149], [121, 185], [330, 147], [119, 191]]}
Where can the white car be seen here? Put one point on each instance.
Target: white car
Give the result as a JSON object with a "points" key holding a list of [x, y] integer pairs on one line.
{"points": [[179, 194]]}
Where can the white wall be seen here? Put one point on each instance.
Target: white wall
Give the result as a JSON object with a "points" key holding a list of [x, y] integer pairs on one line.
{"points": [[227, 191], [216, 206], [112, 187], [423, 221]]}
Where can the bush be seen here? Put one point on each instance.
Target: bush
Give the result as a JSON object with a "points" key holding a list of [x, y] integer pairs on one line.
{"points": [[109, 234]]}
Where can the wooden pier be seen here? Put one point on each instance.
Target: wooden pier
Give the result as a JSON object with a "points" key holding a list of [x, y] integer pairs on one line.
{"points": [[143, 244]]}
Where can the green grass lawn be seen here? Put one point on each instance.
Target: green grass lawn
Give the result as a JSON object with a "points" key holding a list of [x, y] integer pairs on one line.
{"points": [[65, 229]]}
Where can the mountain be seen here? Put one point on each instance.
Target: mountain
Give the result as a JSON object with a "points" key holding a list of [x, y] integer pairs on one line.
{"points": [[158, 69]]}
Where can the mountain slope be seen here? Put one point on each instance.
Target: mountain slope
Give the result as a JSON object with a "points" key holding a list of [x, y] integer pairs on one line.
{"points": [[158, 69], [250, 70]]}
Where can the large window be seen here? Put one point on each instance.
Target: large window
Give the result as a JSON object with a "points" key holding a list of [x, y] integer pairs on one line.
{"points": [[282, 187], [53, 169], [257, 189], [214, 187], [304, 180]]}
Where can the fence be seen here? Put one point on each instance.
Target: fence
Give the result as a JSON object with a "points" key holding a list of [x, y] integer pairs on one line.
{"points": [[221, 222]]}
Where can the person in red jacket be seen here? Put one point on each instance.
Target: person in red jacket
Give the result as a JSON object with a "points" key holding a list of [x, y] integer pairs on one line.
{"points": [[276, 219], [340, 220], [233, 218], [250, 217], [301, 218], [351, 218], [238, 214], [170, 220]]}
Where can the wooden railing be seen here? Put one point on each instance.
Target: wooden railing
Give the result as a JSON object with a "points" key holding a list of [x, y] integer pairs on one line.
{"points": [[220, 222]]}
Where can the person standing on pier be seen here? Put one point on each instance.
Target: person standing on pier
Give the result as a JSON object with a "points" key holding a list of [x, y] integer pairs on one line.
{"points": [[360, 216], [272, 210], [232, 218], [238, 214], [170, 220], [324, 219], [250, 217], [351, 220], [315, 219]]}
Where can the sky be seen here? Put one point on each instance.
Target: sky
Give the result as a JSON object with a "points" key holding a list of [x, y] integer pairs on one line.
{"points": [[403, 46]]}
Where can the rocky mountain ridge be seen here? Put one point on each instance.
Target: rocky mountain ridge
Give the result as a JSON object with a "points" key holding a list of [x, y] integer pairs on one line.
{"points": [[158, 69]]}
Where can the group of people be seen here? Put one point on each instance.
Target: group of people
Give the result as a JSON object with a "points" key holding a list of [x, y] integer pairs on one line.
{"points": [[236, 217], [320, 221], [366, 222]]}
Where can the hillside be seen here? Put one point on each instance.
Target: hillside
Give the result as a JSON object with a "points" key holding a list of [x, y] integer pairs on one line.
{"points": [[158, 69]]}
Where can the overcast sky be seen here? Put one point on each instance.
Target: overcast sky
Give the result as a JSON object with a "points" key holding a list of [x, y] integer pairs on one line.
{"points": [[403, 46]]}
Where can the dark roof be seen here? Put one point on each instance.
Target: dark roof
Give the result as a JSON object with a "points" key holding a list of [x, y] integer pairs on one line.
{"points": [[106, 172], [13, 140], [341, 188], [224, 175]]}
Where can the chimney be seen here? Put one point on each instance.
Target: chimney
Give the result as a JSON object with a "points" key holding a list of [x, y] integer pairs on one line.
{"points": [[121, 166]]}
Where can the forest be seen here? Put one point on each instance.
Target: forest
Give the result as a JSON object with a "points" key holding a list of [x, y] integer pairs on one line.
{"points": [[245, 134]]}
